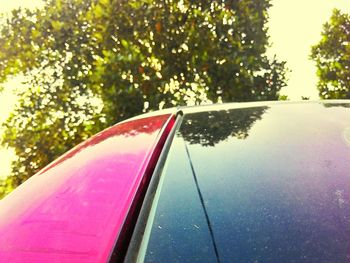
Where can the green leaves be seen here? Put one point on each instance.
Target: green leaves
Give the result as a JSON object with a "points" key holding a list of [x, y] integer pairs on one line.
{"points": [[57, 25], [124, 43], [332, 57]]}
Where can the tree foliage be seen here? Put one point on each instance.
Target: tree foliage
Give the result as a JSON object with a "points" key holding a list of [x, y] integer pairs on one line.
{"points": [[91, 63], [198, 129], [332, 57]]}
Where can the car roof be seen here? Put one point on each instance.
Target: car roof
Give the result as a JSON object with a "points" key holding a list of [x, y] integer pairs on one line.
{"points": [[236, 105], [254, 182], [67, 212]]}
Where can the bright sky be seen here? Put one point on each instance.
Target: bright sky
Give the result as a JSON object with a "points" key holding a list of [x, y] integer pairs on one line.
{"points": [[294, 26], [8, 5]]}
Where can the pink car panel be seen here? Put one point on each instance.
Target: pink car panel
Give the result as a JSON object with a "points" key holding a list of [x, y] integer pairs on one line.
{"points": [[74, 210]]}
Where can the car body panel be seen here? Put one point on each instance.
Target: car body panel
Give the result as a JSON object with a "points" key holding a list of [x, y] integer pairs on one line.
{"points": [[269, 183], [74, 210]]}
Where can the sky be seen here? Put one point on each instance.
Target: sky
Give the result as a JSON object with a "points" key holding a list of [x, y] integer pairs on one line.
{"points": [[294, 26]]}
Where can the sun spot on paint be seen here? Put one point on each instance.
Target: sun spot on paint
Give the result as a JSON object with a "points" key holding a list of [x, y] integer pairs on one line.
{"points": [[346, 135]]}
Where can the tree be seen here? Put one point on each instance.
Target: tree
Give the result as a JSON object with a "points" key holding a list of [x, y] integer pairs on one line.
{"points": [[91, 63], [283, 97], [332, 57], [197, 129]]}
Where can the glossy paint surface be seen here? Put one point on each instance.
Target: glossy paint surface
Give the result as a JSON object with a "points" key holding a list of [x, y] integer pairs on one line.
{"points": [[258, 184], [73, 210]]}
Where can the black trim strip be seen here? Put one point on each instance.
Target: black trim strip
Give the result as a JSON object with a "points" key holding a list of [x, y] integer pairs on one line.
{"points": [[135, 243], [124, 237], [203, 205]]}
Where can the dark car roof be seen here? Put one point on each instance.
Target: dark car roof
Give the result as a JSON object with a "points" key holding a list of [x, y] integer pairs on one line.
{"points": [[259, 182]]}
